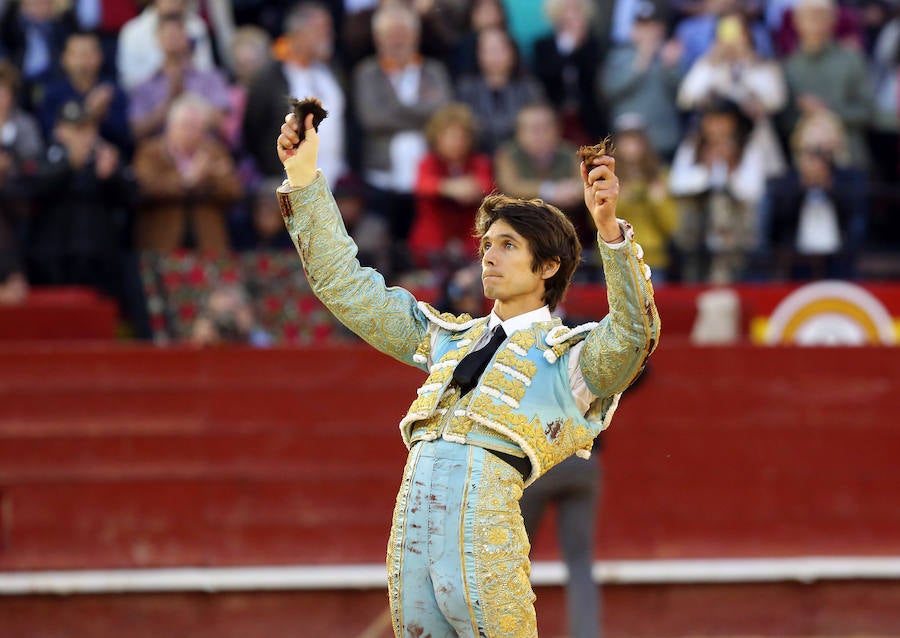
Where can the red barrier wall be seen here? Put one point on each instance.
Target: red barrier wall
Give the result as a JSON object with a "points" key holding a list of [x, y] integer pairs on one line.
{"points": [[116, 457]]}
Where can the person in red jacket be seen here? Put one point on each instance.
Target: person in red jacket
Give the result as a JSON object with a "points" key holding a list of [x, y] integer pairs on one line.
{"points": [[452, 181]]}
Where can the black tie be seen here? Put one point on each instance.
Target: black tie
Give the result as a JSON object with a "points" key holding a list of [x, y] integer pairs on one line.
{"points": [[473, 364]]}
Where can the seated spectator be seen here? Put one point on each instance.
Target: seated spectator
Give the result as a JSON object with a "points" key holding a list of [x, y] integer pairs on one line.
{"points": [[816, 213], [642, 77], [150, 100], [139, 56], [81, 81], [884, 140], [732, 70], [452, 181], [644, 198], [395, 93], [32, 34], [499, 89], [21, 148], [105, 18], [565, 61], [718, 176], [304, 70], [825, 75], [441, 24], [228, 317], [538, 163], [84, 197], [482, 14], [266, 226], [251, 53], [697, 33], [187, 181]]}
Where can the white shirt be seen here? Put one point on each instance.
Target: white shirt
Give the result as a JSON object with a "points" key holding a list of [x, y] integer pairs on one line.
{"points": [[318, 81]]}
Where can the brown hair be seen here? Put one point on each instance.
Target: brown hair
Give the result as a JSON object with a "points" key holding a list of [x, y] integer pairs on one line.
{"points": [[454, 113], [550, 234]]}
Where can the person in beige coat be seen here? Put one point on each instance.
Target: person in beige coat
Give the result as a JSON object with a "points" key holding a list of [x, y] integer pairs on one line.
{"points": [[187, 181]]}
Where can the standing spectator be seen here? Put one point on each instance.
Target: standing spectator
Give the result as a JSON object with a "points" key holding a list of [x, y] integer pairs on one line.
{"points": [[81, 81], [538, 163], [816, 213], [732, 70], [452, 181], [565, 61], [139, 55], [644, 197], [32, 34], [499, 90], [395, 93], [187, 180], [84, 197], [305, 71], [573, 487], [823, 75], [718, 177], [21, 147], [643, 77], [151, 99]]}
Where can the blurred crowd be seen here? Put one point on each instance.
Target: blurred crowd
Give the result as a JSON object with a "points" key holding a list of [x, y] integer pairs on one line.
{"points": [[755, 140]]}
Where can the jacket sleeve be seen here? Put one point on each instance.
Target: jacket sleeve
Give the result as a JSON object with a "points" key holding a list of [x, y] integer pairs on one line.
{"points": [[615, 350], [387, 318]]}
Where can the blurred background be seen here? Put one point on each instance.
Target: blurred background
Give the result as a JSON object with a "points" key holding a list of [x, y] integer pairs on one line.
{"points": [[190, 445]]}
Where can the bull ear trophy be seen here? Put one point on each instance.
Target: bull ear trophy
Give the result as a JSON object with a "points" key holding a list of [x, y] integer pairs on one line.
{"points": [[308, 105]]}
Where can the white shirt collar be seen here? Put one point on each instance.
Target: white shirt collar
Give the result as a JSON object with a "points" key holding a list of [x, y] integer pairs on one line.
{"points": [[520, 322]]}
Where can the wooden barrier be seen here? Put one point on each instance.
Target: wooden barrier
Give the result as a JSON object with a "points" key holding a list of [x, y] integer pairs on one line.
{"points": [[114, 457]]}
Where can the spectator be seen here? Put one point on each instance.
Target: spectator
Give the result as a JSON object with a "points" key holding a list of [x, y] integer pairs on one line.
{"points": [[441, 24], [718, 177], [885, 128], [644, 198], [538, 163], [84, 197], [228, 317], [251, 53], [106, 18], [452, 181], [151, 99], [305, 70], [32, 34], [823, 75], [21, 147], [81, 81], [565, 61], [482, 14], [816, 213], [395, 93], [187, 180], [266, 227], [642, 77], [499, 90], [139, 55], [697, 33], [613, 21], [732, 70]]}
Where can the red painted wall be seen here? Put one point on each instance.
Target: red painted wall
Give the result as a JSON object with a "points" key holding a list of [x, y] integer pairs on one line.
{"points": [[120, 457]]}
